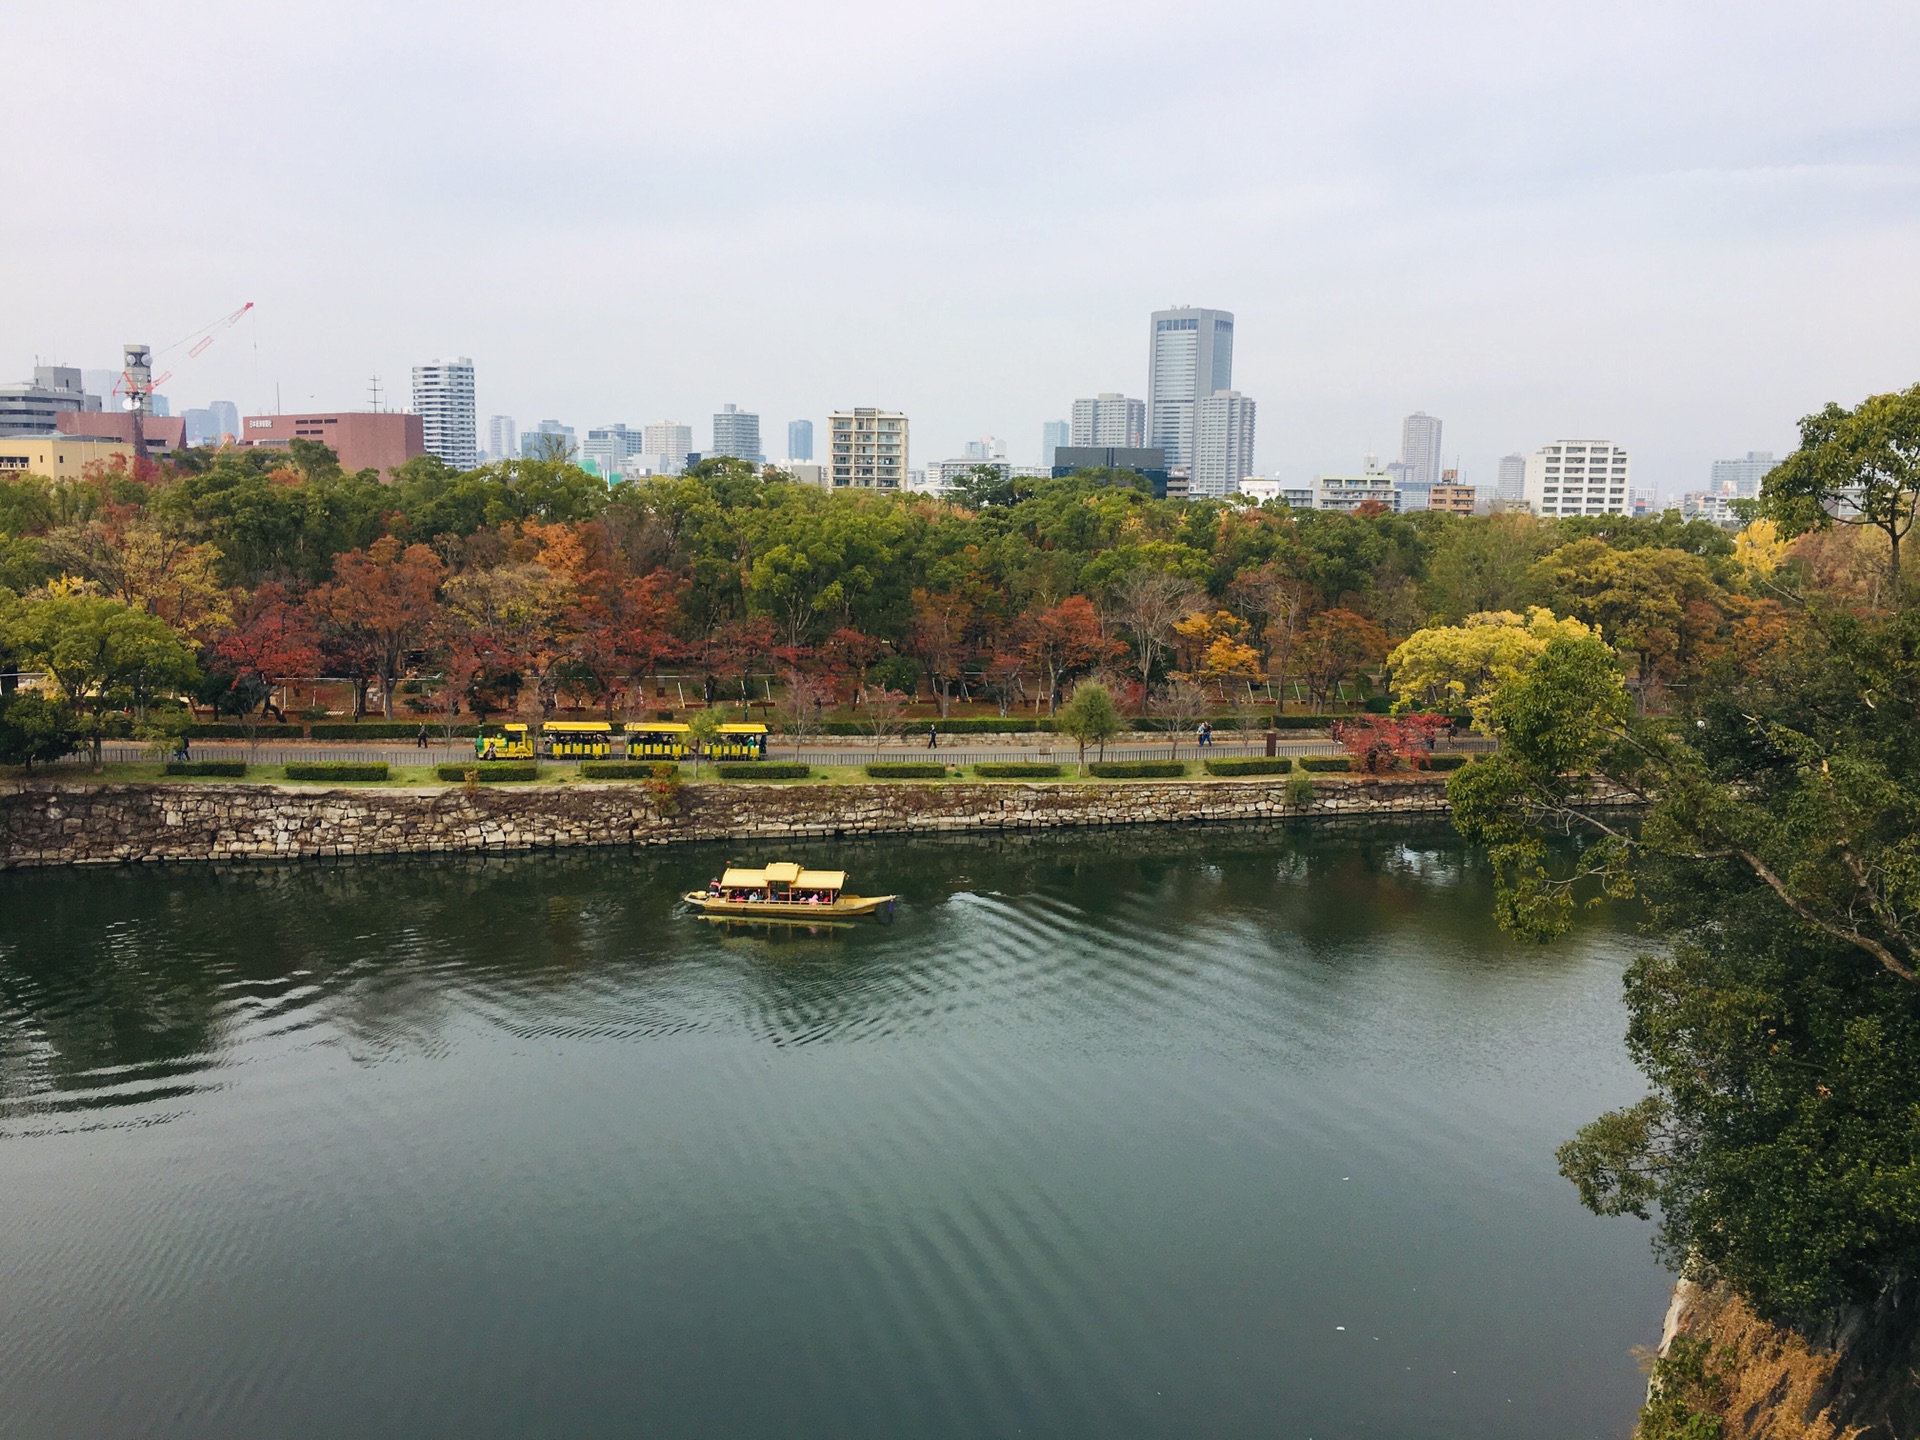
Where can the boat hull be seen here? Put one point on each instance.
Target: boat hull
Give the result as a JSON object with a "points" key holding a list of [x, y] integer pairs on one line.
{"points": [[846, 907]]}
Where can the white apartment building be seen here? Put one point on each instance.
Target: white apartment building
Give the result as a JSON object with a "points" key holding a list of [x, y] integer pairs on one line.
{"points": [[736, 433], [665, 445], [503, 443], [443, 399], [1222, 444], [1579, 477], [1109, 419], [1350, 492], [867, 449], [1420, 449]]}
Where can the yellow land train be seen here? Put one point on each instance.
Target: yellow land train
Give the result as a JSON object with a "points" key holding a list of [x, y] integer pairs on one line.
{"points": [[514, 744], [578, 739], [739, 742], [656, 740]]}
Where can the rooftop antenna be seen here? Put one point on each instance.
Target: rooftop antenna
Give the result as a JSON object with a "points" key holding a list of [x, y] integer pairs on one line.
{"points": [[373, 391]]}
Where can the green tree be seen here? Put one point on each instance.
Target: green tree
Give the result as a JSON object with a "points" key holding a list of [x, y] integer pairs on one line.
{"points": [[1853, 467], [703, 726], [104, 656], [1481, 565], [1090, 717], [34, 727]]}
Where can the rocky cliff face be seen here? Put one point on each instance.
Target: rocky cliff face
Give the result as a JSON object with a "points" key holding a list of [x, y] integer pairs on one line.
{"points": [[1854, 1377]]}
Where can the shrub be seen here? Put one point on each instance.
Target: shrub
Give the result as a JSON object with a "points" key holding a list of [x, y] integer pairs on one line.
{"points": [[335, 770], [1016, 770], [1304, 722], [224, 769], [227, 730], [907, 770], [489, 770], [387, 730], [1379, 705], [1447, 762], [763, 770], [1252, 766], [1139, 769], [618, 769], [1299, 790], [1326, 762], [958, 725]]}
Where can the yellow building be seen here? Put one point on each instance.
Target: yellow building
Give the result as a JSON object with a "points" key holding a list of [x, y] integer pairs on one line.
{"points": [[58, 457]]}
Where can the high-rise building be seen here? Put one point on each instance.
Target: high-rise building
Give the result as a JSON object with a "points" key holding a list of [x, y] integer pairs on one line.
{"points": [[609, 448], [1579, 477], [549, 440], [1222, 444], [736, 434], [867, 449], [443, 399], [1511, 485], [986, 448], [30, 408], [800, 440], [105, 384], [1191, 358], [226, 419], [201, 427], [666, 445], [1110, 419], [1053, 434], [1420, 449], [1741, 478], [1408, 493], [502, 442]]}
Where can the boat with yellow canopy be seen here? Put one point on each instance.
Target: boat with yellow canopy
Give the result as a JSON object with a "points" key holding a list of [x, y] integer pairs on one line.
{"points": [[785, 891]]}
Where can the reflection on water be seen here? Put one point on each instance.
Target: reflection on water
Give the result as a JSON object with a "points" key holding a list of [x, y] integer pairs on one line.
{"points": [[1106, 1134]]}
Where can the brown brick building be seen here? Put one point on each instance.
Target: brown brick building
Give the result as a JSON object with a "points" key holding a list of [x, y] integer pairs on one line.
{"points": [[363, 439]]}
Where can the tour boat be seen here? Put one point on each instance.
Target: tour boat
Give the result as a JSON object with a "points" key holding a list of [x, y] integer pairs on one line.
{"points": [[787, 892]]}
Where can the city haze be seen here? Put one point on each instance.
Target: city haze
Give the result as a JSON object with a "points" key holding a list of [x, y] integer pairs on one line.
{"points": [[1676, 228]]}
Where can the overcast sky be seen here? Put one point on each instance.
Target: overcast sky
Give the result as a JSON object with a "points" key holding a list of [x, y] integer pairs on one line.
{"points": [[1674, 226]]}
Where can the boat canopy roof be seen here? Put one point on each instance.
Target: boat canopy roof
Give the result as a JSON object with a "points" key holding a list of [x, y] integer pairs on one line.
{"points": [[743, 729], [576, 727], [822, 880], [743, 879], [654, 727], [784, 873]]}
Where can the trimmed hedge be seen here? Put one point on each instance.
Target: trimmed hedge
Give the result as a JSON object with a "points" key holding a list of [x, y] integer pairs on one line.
{"points": [[620, 769], [1306, 722], [907, 770], [1447, 762], [223, 769], [335, 770], [1253, 766], [1016, 770], [1138, 769], [764, 770], [1326, 762], [489, 770], [387, 730], [227, 730]]}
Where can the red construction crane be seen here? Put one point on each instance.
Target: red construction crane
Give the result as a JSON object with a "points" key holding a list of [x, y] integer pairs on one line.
{"points": [[137, 382]]}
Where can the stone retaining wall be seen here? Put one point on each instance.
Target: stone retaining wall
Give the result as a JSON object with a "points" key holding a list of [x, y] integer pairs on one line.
{"points": [[66, 823]]}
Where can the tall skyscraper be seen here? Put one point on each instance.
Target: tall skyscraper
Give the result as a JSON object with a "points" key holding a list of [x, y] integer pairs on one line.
{"points": [[800, 440], [867, 449], [226, 419], [1222, 443], [1741, 478], [1191, 358], [1579, 477], [666, 445], [502, 442], [201, 427], [737, 434], [549, 440], [443, 399], [1053, 434], [1110, 419], [1509, 488], [609, 447], [1420, 449]]}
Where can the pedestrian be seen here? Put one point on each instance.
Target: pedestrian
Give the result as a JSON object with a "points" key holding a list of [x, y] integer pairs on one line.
{"points": [[186, 752], [421, 741], [933, 736]]}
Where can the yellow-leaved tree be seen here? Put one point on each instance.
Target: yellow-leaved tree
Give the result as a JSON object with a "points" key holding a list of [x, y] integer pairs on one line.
{"points": [[1462, 665], [1760, 549]]}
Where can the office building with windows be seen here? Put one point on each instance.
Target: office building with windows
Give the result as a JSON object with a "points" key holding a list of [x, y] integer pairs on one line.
{"points": [[867, 449], [1420, 449], [1191, 358], [736, 434], [610, 449], [1741, 478], [29, 408], [443, 399], [1110, 419], [665, 447], [1053, 434], [1222, 443], [1142, 460], [800, 440], [1510, 486], [379, 440], [503, 442], [1579, 477]]}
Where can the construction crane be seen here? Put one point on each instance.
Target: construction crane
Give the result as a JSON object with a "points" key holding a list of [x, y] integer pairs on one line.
{"points": [[137, 382]]}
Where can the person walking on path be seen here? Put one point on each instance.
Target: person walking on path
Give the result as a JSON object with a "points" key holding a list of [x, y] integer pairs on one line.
{"points": [[933, 736], [421, 739]]}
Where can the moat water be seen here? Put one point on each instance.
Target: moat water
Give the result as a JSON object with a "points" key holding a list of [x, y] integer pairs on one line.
{"points": [[1145, 1133]]}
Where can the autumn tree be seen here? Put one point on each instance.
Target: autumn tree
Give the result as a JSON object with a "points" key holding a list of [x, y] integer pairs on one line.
{"points": [[1064, 640], [1458, 666], [381, 604], [1656, 603], [1853, 467], [941, 636], [1337, 646], [1147, 604], [272, 638]]}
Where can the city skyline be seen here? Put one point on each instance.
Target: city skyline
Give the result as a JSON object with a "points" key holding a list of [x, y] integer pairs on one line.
{"points": [[1750, 271]]}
